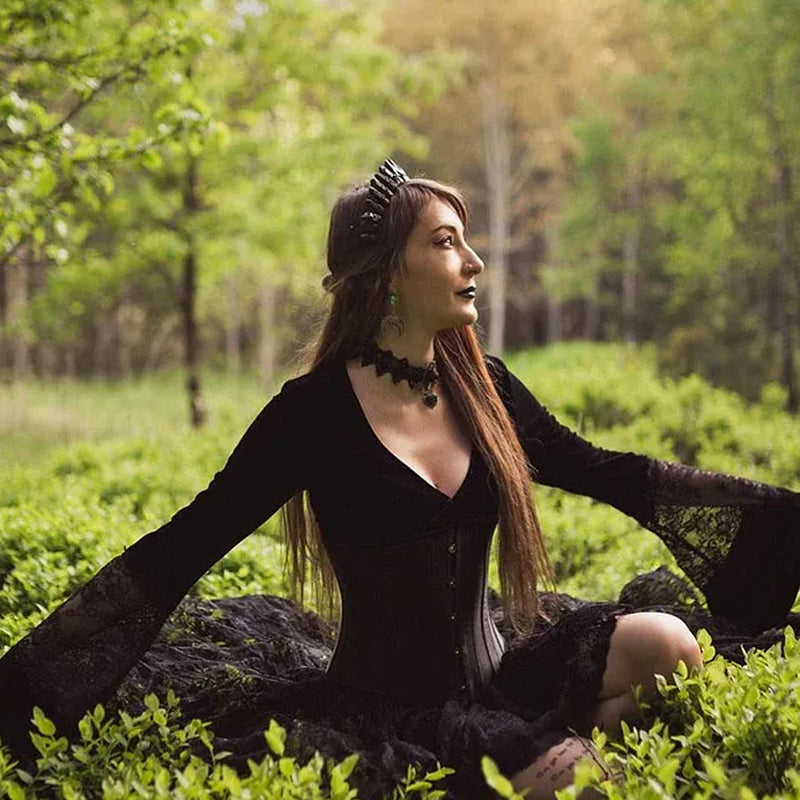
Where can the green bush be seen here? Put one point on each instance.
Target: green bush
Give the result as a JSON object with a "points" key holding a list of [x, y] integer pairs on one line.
{"points": [[730, 732], [151, 756]]}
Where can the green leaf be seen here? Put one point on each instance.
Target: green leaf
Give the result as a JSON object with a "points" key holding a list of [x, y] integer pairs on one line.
{"points": [[152, 160], [348, 765], [438, 774], [106, 180], [42, 723], [495, 779], [14, 790], [85, 728], [46, 182], [275, 736], [286, 766], [715, 771]]}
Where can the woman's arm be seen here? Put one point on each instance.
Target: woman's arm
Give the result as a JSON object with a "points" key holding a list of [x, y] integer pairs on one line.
{"points": [[738, 540], [559, 457], [265, 469], [78, 655]]}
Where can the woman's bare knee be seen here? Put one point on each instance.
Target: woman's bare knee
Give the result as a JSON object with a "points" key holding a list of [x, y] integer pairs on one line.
{"points": [[643, 645], [555, 769]]}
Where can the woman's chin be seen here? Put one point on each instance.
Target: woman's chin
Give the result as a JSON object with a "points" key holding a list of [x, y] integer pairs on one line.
{"points": [[461, 320]]}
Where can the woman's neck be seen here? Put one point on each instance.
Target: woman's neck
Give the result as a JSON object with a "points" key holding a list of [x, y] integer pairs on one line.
{"points": [[417, 349]]}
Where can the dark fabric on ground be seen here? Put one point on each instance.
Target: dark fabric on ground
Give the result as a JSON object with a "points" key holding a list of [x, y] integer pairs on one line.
{"points": [[239, 662]]}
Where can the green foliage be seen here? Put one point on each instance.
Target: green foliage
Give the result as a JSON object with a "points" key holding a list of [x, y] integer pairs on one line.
{"points": [[151, 755], [729, 732], [613, 397], [497, 781], [681, 184], [293, 99], [62, 59]]}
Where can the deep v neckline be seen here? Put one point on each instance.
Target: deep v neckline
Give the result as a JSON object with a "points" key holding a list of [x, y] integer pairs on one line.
{"points": [[381, 446]]}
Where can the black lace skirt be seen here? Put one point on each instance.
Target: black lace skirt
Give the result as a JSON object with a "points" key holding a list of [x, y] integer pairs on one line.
{"points": [[240, 662]]}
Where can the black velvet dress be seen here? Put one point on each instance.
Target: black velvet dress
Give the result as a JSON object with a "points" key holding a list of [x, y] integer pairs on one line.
{"points": [[420, 671]]}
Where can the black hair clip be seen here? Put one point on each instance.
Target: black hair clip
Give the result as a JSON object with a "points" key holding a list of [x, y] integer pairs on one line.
{"points": [[382, 187]]}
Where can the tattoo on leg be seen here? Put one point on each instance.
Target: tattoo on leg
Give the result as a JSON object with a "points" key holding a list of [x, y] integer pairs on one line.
{"points": [[592, 753], [555, 768]]}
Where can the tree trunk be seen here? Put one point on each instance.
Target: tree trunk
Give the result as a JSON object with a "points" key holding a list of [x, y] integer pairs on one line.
{"points": [[123, 320], [102, 345], [159, 341], [782, 186], [555, 320], [16, 290], [191, 206], [554, 301], [630, 250], [3, 311], [591, 323], [233, 324], [47, 361], [497, 163], [785, 316], [71, 362], [267, 334]]}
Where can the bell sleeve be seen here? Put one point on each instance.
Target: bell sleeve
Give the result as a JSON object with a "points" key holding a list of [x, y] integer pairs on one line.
{"points": [[78, 655], [737, 540]]}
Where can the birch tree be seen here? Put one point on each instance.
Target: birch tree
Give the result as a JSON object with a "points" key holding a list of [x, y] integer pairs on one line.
{"points": [[502, 130]]}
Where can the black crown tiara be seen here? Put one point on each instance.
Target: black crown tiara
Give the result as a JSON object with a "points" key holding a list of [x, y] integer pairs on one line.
{"points": [[382, 186]]}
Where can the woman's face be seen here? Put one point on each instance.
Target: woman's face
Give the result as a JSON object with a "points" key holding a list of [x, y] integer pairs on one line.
{"points": [[437, 266]]}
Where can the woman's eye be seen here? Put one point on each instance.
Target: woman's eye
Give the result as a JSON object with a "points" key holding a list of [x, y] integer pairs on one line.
{"points": [[446, 240]]}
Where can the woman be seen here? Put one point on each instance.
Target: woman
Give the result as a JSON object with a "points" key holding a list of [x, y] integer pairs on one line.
{"points": [[394, 457]]}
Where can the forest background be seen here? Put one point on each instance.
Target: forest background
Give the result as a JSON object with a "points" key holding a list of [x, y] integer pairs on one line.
{"points": [[167, 168]]}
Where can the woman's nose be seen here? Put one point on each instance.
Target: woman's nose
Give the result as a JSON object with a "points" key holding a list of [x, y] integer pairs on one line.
{"points": [[473, 263]]}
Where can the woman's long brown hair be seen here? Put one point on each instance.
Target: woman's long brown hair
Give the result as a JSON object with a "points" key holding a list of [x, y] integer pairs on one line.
{"points": [[358, 280]]}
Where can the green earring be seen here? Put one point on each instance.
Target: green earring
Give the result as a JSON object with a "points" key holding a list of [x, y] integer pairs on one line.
{"points": [[392, 322]]}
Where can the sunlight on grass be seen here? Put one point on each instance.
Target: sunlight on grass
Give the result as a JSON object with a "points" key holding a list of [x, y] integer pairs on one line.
{"points": [[35, 417]]}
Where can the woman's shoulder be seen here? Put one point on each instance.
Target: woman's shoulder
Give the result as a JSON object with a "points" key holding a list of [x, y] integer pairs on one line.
{"points": [[495, 365], [515, 394], [310, 387], [500, 375]]}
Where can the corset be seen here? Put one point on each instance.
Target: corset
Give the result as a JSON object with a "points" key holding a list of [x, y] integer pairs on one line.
{"points": [[415, 618]]}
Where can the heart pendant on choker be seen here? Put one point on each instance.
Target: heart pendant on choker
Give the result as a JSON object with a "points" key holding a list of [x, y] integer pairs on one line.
{"points": [[420, 379]]}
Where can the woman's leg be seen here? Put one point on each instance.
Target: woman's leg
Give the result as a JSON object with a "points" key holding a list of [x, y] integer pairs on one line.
{"points": [[644, 644], [555, 769]]}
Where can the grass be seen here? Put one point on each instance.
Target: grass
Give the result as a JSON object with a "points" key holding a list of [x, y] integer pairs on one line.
{"points": [[38, 417]]}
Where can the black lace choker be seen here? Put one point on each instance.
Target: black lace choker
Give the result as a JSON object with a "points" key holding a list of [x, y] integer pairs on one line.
{"points": [[420, 379]]}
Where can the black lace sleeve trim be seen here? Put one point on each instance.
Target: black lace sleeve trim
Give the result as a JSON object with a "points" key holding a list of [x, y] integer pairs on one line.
{"points": [[738, 540]]}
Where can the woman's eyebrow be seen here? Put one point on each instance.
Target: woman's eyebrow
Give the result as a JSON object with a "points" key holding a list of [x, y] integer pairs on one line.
{"points": [[446, 227]]}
